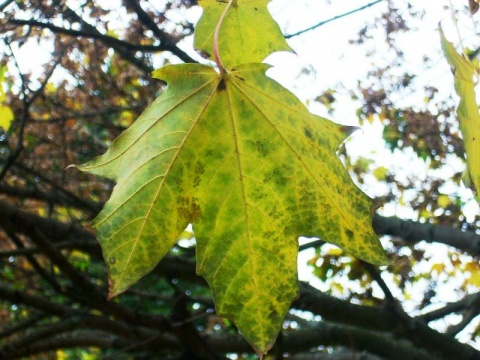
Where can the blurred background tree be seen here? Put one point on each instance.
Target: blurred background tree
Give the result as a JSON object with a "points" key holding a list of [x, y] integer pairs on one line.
{"points": [[87, 78]]}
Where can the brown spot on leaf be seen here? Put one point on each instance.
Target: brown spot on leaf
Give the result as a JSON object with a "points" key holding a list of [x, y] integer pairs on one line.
{"points": [[308, 134], [188, 209]]}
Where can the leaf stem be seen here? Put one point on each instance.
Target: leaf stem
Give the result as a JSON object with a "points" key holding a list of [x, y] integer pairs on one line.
{"points": [[216, 53]]}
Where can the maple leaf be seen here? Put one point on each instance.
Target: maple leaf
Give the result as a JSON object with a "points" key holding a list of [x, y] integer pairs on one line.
{"points": [[242, 159], [240, 40], [467, 111]]}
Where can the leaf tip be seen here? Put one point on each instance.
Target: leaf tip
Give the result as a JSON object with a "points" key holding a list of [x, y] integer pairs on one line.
{"points": [[112, 291]]}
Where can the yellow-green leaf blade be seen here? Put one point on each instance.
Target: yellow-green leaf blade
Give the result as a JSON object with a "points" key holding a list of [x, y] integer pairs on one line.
{"points": [[467, 110], [244, 161], [248, 33], [282, 179], [150, 205]]}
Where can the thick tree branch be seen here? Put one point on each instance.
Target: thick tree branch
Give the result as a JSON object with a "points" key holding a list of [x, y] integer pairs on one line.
{"points": [[378, 319], [106, 39], [382, 319], [22, 325], [324, 334], [413, 232], [332, 334], [50, 197], [68, 340], [48, 307]]}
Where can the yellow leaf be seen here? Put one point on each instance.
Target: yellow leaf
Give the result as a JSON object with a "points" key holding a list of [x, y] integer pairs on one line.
{"points": [[467, 110], [380, 173], [61, 355], [438, 268], [6, 117], [335, 251], [242, 159], [443, 201], [474, 279]]}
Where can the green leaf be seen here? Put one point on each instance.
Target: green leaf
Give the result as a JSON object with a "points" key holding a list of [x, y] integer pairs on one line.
{"points": [[243, 160], [241, 39], [467, 110]]}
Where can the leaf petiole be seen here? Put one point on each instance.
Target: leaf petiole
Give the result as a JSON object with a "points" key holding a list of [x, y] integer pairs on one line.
{"points": [[216, 52]]}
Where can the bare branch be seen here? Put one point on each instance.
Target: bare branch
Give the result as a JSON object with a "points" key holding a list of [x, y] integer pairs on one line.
{"points": [[472, 300], [413, 232], [332, 19], [166, 41]]}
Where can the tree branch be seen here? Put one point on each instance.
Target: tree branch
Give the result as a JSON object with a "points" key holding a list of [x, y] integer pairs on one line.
{"points": [[51, 198], [332, 19], [382, 319], [472, 300], [48, 307], [21, 326], [5, 4], [165, 40], [106, 39], [27, 103], [413, 232]]}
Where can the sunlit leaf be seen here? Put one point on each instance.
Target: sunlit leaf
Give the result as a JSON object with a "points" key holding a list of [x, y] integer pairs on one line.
{"points": [[244, 161], [467, 110], [6, 113], [380, 173], [242, 39], [443, 201], [6, 117]]}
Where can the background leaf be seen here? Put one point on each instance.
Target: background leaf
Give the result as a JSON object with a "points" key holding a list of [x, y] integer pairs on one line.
{"points": [[6, 113], [241, 40], [467, 110]]}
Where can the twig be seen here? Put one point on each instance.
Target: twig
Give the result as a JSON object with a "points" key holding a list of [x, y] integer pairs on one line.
{"points": [[23, 325], [332, 19], [93, 207], [38, 268], [27, 102], [5, 4], [166, 41], [468, 301], [378, 279]]}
